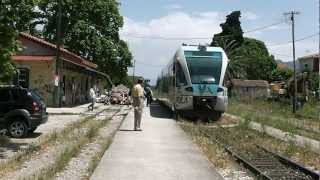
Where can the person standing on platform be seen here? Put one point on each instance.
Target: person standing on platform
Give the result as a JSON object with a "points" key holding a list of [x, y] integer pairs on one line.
{"points": [[92, 98], [149, 95], [137, 94]]}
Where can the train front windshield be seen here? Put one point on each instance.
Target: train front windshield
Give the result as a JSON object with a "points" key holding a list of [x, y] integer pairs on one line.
{"points": [[204, 68]]}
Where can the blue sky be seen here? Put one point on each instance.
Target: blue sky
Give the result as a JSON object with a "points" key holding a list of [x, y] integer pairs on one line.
{"points": [[189, 18]]}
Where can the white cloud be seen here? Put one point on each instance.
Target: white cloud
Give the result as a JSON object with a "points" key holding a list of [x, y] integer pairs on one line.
{"points": [[284, 52], [248, 15], [173, 7], [176, 24]]}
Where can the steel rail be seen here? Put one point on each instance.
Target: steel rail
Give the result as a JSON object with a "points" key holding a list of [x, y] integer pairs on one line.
{"points": [[262, 165]]}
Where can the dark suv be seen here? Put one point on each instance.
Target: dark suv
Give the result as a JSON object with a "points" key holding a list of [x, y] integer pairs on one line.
{"points": [[21, 110]]}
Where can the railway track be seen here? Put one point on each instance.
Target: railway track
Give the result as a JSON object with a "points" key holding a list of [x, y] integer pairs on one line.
{"points": [[262, 162]]}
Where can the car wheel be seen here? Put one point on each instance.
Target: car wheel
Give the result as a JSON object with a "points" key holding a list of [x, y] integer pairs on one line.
{"points": [[17, 129]]}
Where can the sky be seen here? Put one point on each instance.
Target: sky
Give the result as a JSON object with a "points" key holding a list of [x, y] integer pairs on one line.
{"points": [[154, 30]]}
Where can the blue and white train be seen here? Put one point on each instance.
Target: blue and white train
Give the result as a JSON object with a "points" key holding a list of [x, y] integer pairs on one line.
{"points": [[192, 83]]}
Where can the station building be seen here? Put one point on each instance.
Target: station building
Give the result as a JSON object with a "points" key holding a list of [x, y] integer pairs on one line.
{"points": [[309, 63], [36, 65]]}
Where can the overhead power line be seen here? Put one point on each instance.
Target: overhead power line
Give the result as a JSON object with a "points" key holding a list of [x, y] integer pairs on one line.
{"points": [[298, 40], [141, 36], [152, 65]]}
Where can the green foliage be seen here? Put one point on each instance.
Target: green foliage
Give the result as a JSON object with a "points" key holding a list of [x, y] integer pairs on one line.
{"points": [[90, 29], [231, 29], [249, 58], [255, 59], [281, 74], [14, 16], [313, 79]]}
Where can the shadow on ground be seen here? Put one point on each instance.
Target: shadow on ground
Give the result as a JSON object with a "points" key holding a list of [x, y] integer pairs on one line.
{"points": [[159, 111], [6, 149]]}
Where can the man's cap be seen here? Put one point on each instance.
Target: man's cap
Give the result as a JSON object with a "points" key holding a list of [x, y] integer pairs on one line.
{"points": [[140, 80]]}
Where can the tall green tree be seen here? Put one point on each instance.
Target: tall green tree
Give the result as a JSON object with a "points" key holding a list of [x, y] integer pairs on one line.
{"points": [[231, 30], [90, 29], [15, 16], [255, 59], [249, 58]]}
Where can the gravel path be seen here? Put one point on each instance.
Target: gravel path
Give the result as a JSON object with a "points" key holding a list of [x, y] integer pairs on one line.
{"points": [[46, 157], [56, 122], [78, 167]]}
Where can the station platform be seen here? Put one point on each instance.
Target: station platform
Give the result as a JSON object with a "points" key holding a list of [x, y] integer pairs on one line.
{"points": [[162, 151]]}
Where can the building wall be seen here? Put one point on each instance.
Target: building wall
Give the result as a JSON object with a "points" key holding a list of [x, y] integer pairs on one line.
{"points": [[76, 86], [308, 62], [41, 77], [250, 92], [311, 63], [77, 80]]}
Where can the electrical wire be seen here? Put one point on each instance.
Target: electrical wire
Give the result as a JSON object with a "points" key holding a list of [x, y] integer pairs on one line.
{"points": [[141, 36], [298, 40], [152, 65]]}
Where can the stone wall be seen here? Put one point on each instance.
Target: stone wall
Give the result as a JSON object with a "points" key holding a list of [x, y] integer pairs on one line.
{"points": [[41, 77]]}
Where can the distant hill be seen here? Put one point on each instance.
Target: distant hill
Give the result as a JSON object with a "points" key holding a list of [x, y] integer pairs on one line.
{"points": [[288, 64]]}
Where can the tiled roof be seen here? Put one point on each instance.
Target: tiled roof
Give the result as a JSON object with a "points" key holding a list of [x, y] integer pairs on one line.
{"points": [[32, 58], [249, 83], [309, 56], [64, 53]]}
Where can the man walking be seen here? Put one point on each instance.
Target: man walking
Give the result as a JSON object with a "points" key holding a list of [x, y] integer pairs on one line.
{"points": [[92, 98], [149, 95], [138, 99]]}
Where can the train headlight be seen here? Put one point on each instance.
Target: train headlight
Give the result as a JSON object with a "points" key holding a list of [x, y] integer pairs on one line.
{"points": [[220, 91]]}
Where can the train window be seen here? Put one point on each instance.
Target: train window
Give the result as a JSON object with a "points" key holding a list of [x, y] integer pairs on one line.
{"points": [[204, 69], [180, 77]]}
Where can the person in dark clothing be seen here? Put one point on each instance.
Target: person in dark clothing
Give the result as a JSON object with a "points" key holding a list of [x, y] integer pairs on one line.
{"points": [[148, 95]]}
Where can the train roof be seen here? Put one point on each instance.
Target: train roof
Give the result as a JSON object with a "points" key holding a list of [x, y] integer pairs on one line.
{"points": [[196, 48]]}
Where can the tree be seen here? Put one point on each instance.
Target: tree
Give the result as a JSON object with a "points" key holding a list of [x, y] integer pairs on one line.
{"points": [[249, 58], [90, 29], [231, 30], [281, 74], [14, 16], [255, 59]]}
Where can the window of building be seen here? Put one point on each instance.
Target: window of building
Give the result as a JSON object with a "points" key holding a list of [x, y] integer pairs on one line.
{"points": [[23, 77]]}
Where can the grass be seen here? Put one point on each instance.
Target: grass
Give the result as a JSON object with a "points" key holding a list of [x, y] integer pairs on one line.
{"points": [[245, 138], [96, 159], [71, 146], [278, 115], [45, 141], [215, 154]]}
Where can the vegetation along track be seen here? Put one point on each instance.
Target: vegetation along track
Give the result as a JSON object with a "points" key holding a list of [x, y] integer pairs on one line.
{"points": [[55, 140], [265, 164]]}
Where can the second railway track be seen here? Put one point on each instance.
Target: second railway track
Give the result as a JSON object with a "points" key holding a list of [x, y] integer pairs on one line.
{"points": [[262, 162]]}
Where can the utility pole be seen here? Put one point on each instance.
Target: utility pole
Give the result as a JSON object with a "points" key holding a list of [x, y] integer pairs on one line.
{"points": [[57, 73], [292, 18], [134, 66], [319, 52]]}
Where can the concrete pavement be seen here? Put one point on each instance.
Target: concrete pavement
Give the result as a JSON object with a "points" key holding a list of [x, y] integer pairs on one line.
{"points": [[162, 151]]}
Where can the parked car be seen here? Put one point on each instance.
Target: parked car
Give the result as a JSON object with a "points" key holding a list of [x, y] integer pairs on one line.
{"points": [[21, 110]]}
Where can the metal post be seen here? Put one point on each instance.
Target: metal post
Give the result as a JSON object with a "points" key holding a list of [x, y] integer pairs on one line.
{"points": [[134, 66], [319, 52], [57, 73], [292, 18]]}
